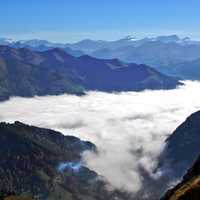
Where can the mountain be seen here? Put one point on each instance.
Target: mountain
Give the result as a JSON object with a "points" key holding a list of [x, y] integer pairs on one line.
{"points": [[75, 53], [187, 70], [6, 41], [44, 164], [167, 54], [27, 73], [168, 39], [182, 148], [188, 188], [39, 45], [180, 152], [154, 53], [37, 42], [114, 75], [24, 72], [90, 46], [43, 45]]}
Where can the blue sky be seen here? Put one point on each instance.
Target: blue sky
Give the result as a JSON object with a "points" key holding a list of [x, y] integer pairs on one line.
{"points": [[73, 20]]}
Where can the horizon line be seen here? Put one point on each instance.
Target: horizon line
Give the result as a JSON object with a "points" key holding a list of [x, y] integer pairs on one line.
{"points": [[151, 36]]}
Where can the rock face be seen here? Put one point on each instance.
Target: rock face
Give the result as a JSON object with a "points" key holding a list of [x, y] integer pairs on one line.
{"points": [[24, 72], [189, 188], [181, 151], [44, 164], [182, 147]]}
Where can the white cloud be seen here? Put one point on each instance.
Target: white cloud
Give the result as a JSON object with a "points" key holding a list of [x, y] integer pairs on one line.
{"points": [[129, 128]]}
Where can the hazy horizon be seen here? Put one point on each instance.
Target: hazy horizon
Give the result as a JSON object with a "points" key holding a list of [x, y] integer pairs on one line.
{"points": [[99, 39]]}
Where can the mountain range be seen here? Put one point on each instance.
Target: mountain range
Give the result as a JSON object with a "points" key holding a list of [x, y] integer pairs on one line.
{"points": [[88, 45], [24, 72], [164, 53]]}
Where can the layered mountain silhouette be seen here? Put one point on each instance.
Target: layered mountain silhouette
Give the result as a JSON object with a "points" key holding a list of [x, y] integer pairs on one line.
{"points": [[24, 72], [167, 54], [187, 70], [154, 53], [44, 164]]}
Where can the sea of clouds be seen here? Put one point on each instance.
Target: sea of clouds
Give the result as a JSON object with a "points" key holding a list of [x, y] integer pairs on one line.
{"points": [[129, 128]]}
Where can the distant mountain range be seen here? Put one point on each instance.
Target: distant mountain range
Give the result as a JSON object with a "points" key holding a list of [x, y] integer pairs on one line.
{"points": [[180, 152], [187, 70], [24, 72], [164, 53]]}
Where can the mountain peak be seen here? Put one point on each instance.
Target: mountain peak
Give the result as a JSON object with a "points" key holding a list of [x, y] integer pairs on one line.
{"points": [[59, 51], [6, 41], [169, 38], [130, 38]]}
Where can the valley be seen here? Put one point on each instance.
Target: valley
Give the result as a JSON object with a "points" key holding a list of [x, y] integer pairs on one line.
{"points": [[122, 124]]}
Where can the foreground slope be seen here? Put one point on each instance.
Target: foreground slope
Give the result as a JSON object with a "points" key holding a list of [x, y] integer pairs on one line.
{"points": [[24, 72], [182, 146], [44, 164], [189, 188], [181, 151]]}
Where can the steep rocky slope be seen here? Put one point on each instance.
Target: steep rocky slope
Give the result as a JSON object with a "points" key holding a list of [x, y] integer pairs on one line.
{"points": [[44, 164], [182, 149], [182, 146], [189, 188]]}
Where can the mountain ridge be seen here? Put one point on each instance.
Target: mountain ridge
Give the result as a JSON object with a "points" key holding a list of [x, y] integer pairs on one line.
{"points": [[44, 164], [27, 73], [169, 54]]}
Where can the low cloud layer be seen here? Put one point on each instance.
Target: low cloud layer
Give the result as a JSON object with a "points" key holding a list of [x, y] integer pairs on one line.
{"points": [[129, 128]]}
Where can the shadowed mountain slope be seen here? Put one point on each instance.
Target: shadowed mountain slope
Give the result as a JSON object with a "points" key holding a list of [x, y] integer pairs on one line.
{"points": [[44, 164], [24, 72], [189, 188]]}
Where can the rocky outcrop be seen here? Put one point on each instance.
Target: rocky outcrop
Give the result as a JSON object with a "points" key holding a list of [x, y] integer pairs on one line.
{"points": [[180, 153], [189, 188]]}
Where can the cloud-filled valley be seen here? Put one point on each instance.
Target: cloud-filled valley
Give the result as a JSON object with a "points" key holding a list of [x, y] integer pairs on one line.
{"points": [[129, 128]]}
